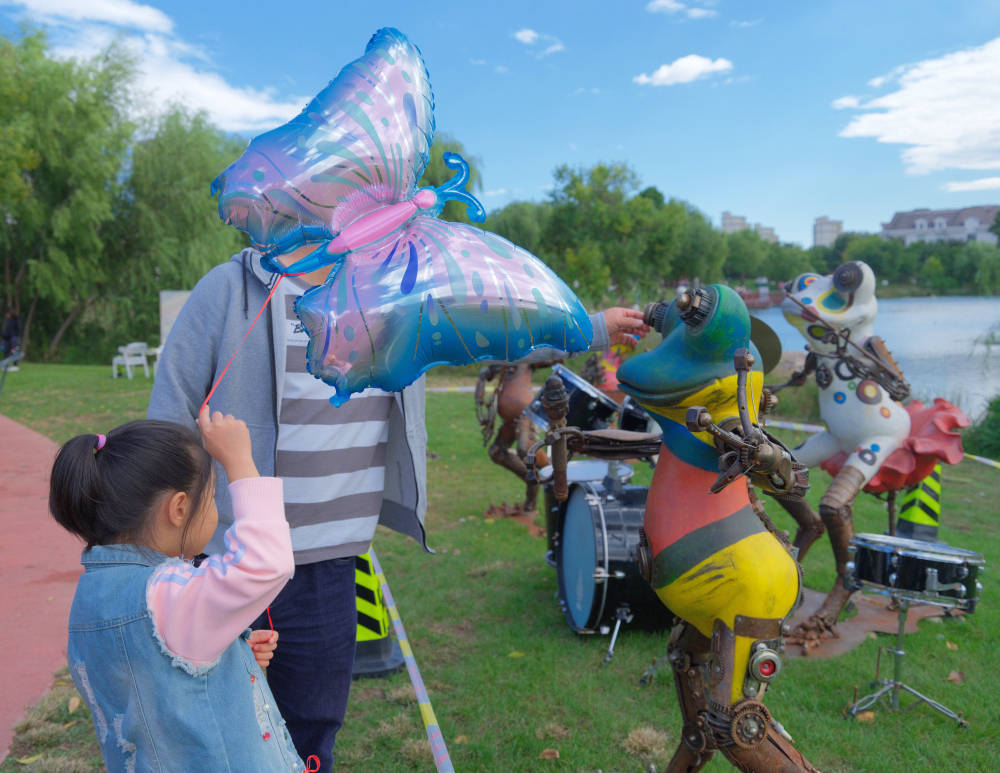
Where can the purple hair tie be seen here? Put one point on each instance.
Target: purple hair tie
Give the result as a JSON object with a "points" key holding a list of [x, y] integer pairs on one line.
{"points": [[101, 440]]}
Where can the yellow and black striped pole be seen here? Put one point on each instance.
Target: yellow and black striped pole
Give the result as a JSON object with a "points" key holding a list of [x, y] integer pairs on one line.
{"points": [[377, 653], [920, 511]]}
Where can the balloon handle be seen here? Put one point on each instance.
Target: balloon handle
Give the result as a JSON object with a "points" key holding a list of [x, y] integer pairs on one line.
{"points": [[454, 189]]}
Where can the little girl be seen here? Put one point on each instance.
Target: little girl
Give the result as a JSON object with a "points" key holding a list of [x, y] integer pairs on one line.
{"points": [[158, 647]]}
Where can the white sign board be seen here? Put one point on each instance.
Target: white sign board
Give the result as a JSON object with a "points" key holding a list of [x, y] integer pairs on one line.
{"points": [[171, 302]]}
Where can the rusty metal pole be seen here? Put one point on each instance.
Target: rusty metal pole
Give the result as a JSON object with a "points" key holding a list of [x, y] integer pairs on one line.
{"points": [[555, 400]]}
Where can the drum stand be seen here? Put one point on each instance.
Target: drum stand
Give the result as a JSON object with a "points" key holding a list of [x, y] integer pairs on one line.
{"points": [[896, 684], [622, 615]]}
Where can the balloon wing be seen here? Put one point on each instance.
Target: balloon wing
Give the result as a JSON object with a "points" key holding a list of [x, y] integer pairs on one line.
{"points": [[434, 293], [360, 144]]}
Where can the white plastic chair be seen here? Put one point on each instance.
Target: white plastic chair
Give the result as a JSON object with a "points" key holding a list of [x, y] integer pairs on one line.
{"points": [[155, 353], [129, 355]]}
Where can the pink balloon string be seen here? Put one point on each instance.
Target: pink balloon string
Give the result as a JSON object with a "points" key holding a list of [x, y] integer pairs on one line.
{"points": [[267, 301]]}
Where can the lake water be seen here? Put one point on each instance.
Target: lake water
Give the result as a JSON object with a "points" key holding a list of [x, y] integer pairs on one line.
{"points": [[940, 343]]}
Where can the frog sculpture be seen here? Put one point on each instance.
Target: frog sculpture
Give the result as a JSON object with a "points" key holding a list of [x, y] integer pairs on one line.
{"points": [[721, 569], [872, 441]]}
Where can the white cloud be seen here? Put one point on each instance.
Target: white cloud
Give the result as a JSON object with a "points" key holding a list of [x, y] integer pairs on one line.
{"points": [[684, 70], [121, 13], [499, 69], [664, 6], [845, 102], [982, 184], [170, 70], [529, 37], [947, 110], [495, 192], [591, 90], [675, 7], [745, 24], [881, 80], [526, 36]]}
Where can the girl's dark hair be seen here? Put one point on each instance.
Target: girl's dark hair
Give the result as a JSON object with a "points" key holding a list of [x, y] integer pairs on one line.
{"points": [[107, 496]]}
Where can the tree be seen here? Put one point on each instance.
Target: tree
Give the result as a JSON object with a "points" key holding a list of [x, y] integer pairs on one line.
{"points": [[932, 274], [438, 173], [784, 262], [703, 249], [987, 277], [746, 254], [883, 255], [522, 222], [166, 232], [73, 119], [595, 212], [995, 228]]}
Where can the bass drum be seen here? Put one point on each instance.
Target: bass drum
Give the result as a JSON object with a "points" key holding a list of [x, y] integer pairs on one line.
{"points": [[577, 471], [596, 564]]}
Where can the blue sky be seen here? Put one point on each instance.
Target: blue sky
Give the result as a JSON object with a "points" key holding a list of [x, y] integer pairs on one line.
{"points": [[779, 111]]}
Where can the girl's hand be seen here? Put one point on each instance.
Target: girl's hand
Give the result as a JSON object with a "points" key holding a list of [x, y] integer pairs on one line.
{"points": [[263, 643], [227, 439], [622, 322]]}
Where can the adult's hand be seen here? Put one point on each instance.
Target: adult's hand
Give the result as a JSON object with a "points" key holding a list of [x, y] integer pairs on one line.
{"points": [[624, 322]]}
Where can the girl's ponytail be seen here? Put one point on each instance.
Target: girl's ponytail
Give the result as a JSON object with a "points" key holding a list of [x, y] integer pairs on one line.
{"points": [[75, 490], [103, 489]]}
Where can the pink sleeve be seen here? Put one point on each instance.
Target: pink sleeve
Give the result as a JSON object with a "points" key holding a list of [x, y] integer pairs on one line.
{"points": [[197, 613]]}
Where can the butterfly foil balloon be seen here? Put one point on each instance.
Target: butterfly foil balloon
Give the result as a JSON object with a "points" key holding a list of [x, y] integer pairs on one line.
{"points": [[406, 290]]}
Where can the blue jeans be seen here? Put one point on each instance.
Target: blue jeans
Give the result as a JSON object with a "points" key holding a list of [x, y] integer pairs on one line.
{"points": [[316, 617]]}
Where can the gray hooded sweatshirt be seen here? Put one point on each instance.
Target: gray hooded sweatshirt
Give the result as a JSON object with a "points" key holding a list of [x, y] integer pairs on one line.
{"points": [[206, 335]]}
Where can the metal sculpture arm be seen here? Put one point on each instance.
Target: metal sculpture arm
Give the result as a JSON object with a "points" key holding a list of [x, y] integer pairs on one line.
{"points": [[566, 441], [745, 448], [875, 361], [798, 378]]}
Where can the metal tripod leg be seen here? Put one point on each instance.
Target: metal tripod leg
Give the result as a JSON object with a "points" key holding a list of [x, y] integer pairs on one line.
{"points": [[622, 615], [894, 685]]}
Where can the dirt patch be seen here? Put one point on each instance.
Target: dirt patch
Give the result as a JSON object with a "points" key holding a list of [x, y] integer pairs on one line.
{"points": [[647, 743], [552, 730]]}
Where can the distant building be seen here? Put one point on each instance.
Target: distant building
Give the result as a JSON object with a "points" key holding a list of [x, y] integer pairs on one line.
{"points": [[970, 224], [826, 231], [734, 223], [766, 233]]}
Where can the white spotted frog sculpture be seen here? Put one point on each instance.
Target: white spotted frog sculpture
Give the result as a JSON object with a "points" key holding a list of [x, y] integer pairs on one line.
{"points": [[860, 393]]}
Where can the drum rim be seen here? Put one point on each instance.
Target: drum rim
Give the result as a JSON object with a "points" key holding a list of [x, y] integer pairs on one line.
{"points": [[589, 491], [627, 472], [885, 543], [540, 419]]}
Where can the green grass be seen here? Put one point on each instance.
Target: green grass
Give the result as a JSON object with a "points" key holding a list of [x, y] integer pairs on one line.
{"points": [[508, 679]]}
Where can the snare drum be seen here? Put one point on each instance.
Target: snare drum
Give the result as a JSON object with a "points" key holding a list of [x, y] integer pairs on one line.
{"points": [[927, 572], [597, 568], [577, 471], [589, 407]]}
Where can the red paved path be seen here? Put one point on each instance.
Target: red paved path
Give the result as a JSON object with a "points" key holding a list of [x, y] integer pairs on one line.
{"points": [[39, 564]]}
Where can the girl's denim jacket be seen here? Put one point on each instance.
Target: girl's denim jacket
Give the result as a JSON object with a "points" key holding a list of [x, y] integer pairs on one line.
{"points": [[155, 711]]}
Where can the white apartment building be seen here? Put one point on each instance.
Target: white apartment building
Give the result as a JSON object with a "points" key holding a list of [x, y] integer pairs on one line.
{"points": [[766, 233], [733, 223], [826, 231], [970, 224]]}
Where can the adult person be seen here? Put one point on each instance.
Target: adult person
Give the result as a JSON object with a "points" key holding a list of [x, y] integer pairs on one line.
{"points": [[10, 333], [345, 469]]}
